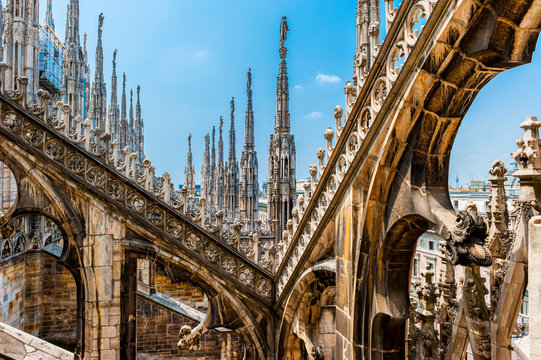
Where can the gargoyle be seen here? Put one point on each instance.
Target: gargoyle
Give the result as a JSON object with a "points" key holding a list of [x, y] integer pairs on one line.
{"points": [[466, 243], [189, 339], [317, 353]]}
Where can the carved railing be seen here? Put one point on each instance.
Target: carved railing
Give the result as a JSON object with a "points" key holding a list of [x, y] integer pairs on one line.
{"points": [[254, 242], [87, 156], [354, 137], [31, 232]]}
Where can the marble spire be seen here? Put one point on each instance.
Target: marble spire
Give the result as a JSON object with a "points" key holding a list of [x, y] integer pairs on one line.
{"points": [[189, 172], [220, 170], [114, 109], [282, 154], [232, 172], [281, 120], [205, 171], [249, 186], [124, 140], [212, 173], [74, 67], [99, 91], [139, 127], [131, 126]]}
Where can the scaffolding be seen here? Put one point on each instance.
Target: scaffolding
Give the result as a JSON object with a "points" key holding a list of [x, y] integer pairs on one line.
{"points": [[51, 57]]}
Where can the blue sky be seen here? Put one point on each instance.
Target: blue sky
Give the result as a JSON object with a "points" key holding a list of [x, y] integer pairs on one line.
{"points": [[191, 56]]}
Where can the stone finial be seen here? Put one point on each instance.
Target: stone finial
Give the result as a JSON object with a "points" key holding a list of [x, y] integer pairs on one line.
{"points": [[313, 176], [337, 112], [350, 92], [527, 154], [321, 160], [300, 202], [307, 187], [497, 171], [329, 135]]}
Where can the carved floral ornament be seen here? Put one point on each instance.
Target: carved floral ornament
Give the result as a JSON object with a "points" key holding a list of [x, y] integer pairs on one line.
{"points": [[174, 228], [34, 136], [193, 241], [116, 190], [75, 163], [136, 203], [247, 276], [11, 121], [54, 149], [211, 253]]}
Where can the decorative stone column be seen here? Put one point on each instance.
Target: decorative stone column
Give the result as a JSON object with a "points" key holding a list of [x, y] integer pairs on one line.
{"points": [[528, 221]]}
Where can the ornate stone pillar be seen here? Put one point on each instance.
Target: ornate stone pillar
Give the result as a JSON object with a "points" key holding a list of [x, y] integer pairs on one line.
{"points": [[528, 223]]}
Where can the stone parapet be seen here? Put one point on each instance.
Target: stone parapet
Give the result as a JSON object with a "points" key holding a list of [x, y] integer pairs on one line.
{"points": [[17, 344]]}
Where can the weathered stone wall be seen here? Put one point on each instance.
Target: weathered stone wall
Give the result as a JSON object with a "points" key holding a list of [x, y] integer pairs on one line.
{"points": [[39, 296], [59, 304], [185, 292], [158, 334], [12, 291]]}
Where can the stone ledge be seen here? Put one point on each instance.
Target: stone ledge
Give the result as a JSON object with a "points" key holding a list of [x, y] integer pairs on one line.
{"points": [[17, 344]]}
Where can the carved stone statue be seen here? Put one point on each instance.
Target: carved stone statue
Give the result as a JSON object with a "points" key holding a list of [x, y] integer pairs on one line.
{"points": [[100, 25], [283, 31]]}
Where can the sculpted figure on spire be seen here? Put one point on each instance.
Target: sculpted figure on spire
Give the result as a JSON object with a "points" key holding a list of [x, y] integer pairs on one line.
{"points": [[283, 31]]}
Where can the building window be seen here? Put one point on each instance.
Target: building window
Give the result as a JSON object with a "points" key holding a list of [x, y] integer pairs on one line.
{"points": [[431, 264], [415, 267], [455, 204], [524, 307], [431, 245]]}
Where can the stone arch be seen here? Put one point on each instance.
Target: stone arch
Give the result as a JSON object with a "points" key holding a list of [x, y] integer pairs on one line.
{"points": [[298, 300], [480, 41], [9, 189], [391, 302], [60, 283], [38, 194], [225, 309]]}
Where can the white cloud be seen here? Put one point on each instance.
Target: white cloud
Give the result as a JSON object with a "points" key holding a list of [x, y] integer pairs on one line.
{"points": [[327, 79], [299, 87], [313, 115], [201, 53]]}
